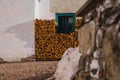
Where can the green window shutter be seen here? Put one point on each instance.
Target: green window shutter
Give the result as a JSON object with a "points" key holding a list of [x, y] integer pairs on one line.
{"points": [[65, 22]]}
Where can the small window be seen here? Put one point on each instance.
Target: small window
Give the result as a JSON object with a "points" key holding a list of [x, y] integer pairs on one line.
{"points": [[66, 22]]}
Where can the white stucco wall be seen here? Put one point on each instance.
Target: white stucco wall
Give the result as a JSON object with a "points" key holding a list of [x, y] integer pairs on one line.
{"points": [[66, 6], [16, 29], [42, 10]]}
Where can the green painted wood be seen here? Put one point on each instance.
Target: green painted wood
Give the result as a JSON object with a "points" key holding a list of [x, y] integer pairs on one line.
{"points": [[65, 22]]}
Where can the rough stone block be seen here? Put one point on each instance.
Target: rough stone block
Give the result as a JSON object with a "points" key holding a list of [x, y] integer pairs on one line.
{"points": [[68, 65], [86, 37], [111, 50]]}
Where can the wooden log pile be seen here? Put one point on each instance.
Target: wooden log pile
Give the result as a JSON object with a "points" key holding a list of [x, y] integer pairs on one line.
{"points": [[48, 44], [78, 22]]}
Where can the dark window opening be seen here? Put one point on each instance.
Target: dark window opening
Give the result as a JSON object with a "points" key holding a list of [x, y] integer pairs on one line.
{"points": [[66, 23]]}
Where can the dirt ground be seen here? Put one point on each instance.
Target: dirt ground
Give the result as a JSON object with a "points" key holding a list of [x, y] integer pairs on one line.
{"points": [[27, 70]]}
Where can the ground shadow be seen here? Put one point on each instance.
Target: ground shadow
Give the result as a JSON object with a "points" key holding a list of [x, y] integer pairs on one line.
{"points": [[40, 77]]}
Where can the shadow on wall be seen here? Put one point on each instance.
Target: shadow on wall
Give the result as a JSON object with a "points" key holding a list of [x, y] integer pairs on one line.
{"points": [[24, 31]]}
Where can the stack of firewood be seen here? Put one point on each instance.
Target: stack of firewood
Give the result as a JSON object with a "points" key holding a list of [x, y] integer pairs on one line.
{"points": [[48, 44], [78, 22]]}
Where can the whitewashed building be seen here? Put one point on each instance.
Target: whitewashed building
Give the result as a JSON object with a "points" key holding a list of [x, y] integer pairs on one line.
{"points": [[16, 29], [66, 12]]}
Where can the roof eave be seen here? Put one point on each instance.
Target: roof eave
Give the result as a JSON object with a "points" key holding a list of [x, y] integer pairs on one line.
{"points": [[90, 4]]}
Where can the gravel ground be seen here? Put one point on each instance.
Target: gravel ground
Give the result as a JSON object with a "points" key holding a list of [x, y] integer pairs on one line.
{"points": [[27, 70]]}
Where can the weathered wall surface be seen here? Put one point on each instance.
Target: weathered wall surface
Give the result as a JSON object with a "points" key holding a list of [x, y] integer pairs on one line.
{"points": [[66, 6], [100, 43], [16, 29]]}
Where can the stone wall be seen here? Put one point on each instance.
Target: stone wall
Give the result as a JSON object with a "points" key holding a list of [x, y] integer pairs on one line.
{"points": [[86, 37], [99, 42]]}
